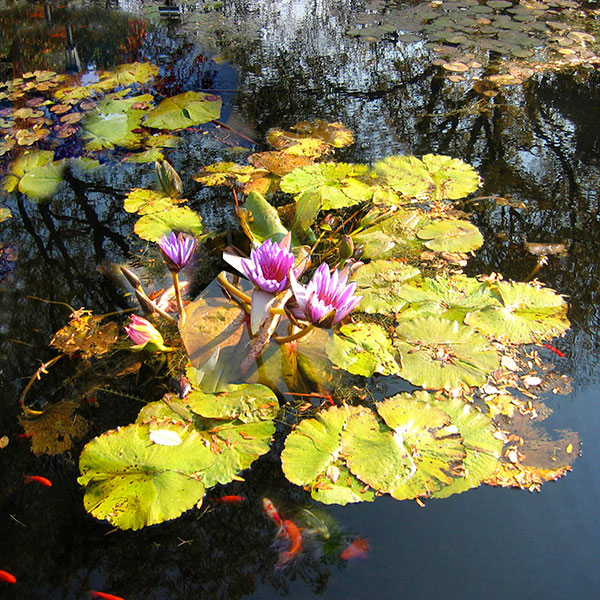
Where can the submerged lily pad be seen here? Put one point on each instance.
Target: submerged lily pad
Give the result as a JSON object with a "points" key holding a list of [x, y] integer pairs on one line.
{"points": [[528, 314], [184, 110], [416, 452], [451, 236], [380, 283], [438, 353]]}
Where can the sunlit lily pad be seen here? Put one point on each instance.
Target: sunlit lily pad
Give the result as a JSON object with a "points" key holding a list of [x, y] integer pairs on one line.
{"points": [[337, 183], [143, 201], [380, 283], [452, 177], [135, 73], [111, 129], [26, 162], [184, 110], [451, 236], [225, 173], [146, 156], [133, 482], [154, 226], [312, 454], [334, 134], [35, 174], [483, 449], [528, 314], [406, 175], [413, 454], [438, 353], [364, 349]]}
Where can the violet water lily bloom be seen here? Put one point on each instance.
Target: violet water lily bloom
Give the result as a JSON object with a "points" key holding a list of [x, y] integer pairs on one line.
{"points": [[327, 298], [268, 267], [177, 249]]}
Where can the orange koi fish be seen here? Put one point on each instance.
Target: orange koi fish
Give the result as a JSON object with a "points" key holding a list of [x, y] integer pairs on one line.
{"points": [[229, 499], [38, 478], [271, 512], [359, 548], [7, 577], [553, 349], [104, 596], [295, 537]]}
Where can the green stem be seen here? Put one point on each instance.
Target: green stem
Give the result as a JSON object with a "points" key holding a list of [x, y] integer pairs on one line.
{"points": [[178, 296], [295, 336], [34, 377], [222, 279]]}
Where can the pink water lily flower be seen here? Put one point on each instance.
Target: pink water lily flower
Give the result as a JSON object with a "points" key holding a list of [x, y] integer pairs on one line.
{"points": [[327, 298], [177, 249], [142, 332]]}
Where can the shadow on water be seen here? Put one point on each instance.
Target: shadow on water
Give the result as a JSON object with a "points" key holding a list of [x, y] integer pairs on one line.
{"points": [[536, 146]]}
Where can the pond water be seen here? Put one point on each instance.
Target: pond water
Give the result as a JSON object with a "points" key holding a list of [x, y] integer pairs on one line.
{"points": [[516, 97]]}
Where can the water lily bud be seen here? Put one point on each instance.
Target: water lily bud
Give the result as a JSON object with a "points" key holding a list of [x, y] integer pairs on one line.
{"points": [[346, 247], [144, 335], [169, 180], [133, 279]]}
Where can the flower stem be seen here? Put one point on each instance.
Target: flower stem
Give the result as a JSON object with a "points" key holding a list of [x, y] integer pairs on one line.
{"points": [[222, 279], [295, 336], [178, 296], [34, 377]]}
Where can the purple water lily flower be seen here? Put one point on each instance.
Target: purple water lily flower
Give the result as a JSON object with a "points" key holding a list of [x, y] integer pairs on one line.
{"points": [[268, 267], [177, 249], [327, 298]]}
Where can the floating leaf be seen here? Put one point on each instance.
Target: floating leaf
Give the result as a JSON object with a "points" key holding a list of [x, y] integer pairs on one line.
{"points": [[154, 226], [337, 183], [415, 453], [54, 431], [278, 163], [406, 175], [111, 129], [334, 134], [314, 447], [26, 162], [483, 449], [528, 314], [451, 236], [225, 173], [85, 336], [264, 222], [135, 73], [438, 353], [184, 110], [41, 183], [364, 349], [143, 201], [133, 483], [4, 213], [452, 177], [150, 155], [380, 283]]}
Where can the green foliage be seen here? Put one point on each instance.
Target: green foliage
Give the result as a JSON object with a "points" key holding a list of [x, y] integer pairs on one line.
{"points": [[264, 222], [35, 174], [184, 110], [154, 226]]}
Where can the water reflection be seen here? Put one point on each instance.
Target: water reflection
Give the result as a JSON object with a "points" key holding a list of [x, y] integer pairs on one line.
{"points": [[536, 144]]}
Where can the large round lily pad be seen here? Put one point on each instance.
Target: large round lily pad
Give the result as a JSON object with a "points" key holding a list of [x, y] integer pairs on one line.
{"points": [[380, 283], [184, 110], [452, 177], [451, 236], [438, 353], [528, 314], [416, 452], [156, 225], [133, 482]]}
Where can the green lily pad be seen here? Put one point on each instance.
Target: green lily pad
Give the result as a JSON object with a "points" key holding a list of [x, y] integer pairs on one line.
{"points": [[133, 482], [482, 448], [394, 237], [25, 163], [226, 173], [111, 129], [143, 201], [184, 110], [147, 156], [337, 183], [364, 349], [450, 297], [406, 175], [265, 222], [135, 73], [154, 226], [452, 177], [41, 183], [438, 353], [528, 314], [451, 236], [416, 452], [311, 457], [380, 283]]}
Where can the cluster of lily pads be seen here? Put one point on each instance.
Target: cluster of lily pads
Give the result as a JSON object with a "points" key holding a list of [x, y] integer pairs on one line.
{"points": [[359, 275]]}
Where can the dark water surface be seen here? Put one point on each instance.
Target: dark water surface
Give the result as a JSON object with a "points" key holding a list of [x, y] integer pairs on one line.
{"points": [[535, 143]]}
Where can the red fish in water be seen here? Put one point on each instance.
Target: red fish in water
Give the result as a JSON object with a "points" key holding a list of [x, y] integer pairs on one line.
{"points": [[555, 350], [295, 537], [271, 512], [229, 499], [7, 577], [22, 436], [359, 548], [95, 594], [39, 479]]}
